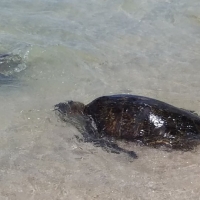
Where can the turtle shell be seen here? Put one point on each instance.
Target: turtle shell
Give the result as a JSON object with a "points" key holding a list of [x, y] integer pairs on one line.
{"points": [[152, 122]]}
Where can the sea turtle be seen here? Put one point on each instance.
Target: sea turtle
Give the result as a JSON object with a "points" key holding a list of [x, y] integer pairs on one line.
{"points": [[133, 118]]}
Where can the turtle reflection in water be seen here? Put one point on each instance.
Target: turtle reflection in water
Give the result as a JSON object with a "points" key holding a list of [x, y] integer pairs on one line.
{"points": [[132, 118]]}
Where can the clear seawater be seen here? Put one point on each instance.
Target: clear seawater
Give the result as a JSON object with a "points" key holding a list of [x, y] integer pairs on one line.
{"points": [[80, 50]]}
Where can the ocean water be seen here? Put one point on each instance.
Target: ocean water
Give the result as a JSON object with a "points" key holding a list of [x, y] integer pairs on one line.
{"points": [[80, 50]]}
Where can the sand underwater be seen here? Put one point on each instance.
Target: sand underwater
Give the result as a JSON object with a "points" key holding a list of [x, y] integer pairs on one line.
{"points": [[80, 50]]}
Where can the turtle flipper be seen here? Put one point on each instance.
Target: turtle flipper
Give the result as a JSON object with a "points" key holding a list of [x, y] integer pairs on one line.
{"points": [[106, 144], [191, 111], [72, 112], [112, 147]]}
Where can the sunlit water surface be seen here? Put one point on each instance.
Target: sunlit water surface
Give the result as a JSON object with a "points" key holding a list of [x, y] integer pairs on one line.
{"points": [[79, 50]]}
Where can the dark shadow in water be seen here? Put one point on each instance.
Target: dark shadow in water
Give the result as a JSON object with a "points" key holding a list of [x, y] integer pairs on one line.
{"points": [[5, 80], [9, 66]]}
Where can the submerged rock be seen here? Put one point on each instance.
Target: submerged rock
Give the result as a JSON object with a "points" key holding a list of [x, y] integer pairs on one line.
{"points": [[9, 65]]}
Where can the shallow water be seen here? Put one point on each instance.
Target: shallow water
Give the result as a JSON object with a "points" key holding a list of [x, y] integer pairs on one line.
{"points": [[81, 50]]}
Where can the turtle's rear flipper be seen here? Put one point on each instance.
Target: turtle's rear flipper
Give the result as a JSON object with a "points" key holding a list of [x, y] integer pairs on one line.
{"points": [[191, 111]]}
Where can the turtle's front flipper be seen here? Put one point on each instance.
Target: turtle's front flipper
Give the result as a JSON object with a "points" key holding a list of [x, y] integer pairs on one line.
{"points": [[106, 144], [112, 147], [73, 112]]}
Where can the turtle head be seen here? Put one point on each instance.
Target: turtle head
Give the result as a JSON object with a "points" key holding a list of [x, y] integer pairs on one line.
{"points": [[71, 112], [70, 108]]}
